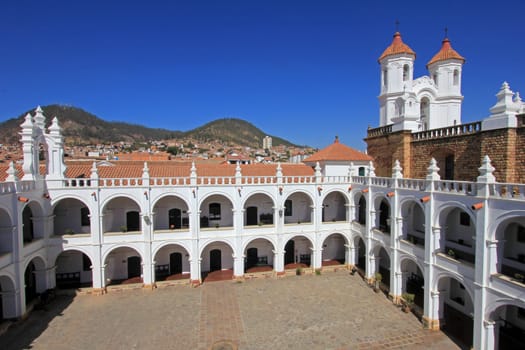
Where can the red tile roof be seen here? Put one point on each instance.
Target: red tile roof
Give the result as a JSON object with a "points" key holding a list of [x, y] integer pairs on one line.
{"points": [[446, 53], [338, 152], [397, 47], [134, 169]]}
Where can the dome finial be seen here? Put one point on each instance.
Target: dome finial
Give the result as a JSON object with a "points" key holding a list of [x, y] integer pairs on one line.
{"points": [[397, 25], [446, 32]]}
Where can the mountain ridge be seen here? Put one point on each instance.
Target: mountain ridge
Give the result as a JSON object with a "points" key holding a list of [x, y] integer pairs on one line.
{"points": [[80, 127]]}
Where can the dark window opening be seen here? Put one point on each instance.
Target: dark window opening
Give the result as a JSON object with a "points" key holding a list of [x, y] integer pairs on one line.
{"points": [[288, 207]]}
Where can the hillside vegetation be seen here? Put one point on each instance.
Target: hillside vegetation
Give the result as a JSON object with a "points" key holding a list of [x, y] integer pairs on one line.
{"points": [[80, 127]]}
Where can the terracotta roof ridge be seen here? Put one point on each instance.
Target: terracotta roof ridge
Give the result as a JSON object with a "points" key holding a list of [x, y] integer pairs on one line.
{"points": [[396, 47], [446, 53]]}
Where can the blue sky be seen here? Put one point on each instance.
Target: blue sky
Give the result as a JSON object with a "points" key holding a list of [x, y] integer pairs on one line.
{"points": [[302, 70]]}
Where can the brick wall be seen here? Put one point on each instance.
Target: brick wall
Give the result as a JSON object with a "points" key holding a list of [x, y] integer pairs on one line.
{"points": [[505, 147]]}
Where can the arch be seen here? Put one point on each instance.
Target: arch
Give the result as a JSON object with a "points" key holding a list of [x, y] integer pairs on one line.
{"points": [[123, 265], [171, 212], [413, 214], [333, 209], [361, 252], [456, 307], [7, 297], [302, 250], [216, 255], [333, 249], [251, 239], [73, 269], [447, 274], [258, 209], [413, 279], [70, 216], [458, 230], [383, 219], [114, 196], [361, 213], [119, 246], [167, 244], [259, 255], [510, 250], [509, 326], [155, 201], [115, 214], [6, 232], [215, 241], [34, 278], [213, 217], [171, 262], [81, 249], [297, 207], [249, 195]]}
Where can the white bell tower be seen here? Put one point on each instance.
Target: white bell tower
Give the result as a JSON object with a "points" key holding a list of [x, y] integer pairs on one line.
{"points": [[397, 75]]}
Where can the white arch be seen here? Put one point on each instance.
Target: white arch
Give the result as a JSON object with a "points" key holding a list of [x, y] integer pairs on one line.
{"points": [[492, 307], [157, 199], [495, 225], [79, 249], [251, 239], [334, 190], [216, 240], [167, 244], [120, 195], [324, 236], [293, 235], [408, 257], [220, 193], [308, 195], [266, 193], [441, 274], [121, 245], [451, 205], [35, 256]]}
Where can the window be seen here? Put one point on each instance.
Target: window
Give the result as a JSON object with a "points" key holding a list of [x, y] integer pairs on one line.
{"points": [[215, 211], [435, 78], [456, 77], [464, 219], [84, 217], [361, 171], [361, 214], [385, 78], [405, 72], [288, 207]]}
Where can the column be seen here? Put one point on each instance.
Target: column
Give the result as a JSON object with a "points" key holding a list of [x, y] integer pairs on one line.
{"points": [[316, 258], [488, 340], [350, 255], [238, 266], [195, 263], [431, 320], [278, 261], [397, 287]]}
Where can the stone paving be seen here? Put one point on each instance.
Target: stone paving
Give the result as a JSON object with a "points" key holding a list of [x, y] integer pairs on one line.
{"points": [[330, 311]]}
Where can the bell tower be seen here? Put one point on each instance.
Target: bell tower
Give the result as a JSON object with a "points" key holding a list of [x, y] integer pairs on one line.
{"points": [[397, 75]]}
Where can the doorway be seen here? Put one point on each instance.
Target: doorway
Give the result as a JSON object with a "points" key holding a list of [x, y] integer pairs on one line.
{"points": [[133, 221], [289, 255], [175, 221], [251, 216], [251, 257], [215, 260], [175, 263], [134, 266]]}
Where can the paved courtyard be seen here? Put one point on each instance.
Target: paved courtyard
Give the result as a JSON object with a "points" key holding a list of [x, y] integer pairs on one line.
{"points": [[330, 311]]}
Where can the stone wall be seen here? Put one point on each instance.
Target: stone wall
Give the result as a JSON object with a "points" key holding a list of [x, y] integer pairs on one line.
{"points": [[386, 148]]}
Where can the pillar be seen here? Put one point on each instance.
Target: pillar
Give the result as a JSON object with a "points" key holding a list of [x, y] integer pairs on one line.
{"points": [[278, 261], [238, 266], [431, 319]]}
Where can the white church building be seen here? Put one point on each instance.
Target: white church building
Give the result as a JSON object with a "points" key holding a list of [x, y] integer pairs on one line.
{"points": [[458, 246]]}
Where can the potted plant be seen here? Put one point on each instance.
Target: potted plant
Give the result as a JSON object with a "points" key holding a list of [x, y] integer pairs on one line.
{"points": [[451, 253], [377, 277], [123, 228], [298, 271], [519, 277], [408, 301], [69, 231]]}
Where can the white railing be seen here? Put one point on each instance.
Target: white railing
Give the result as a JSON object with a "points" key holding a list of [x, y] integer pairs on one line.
{"points": [[457, 187], [411, 184], [510, 191], [381, 181]]}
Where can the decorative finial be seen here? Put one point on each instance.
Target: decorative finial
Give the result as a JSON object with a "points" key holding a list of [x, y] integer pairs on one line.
{"points": [[446, 32], [397, 25]]}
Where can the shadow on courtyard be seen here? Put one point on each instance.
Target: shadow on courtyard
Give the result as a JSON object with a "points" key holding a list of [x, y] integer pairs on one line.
{"points": [[22, 333]]}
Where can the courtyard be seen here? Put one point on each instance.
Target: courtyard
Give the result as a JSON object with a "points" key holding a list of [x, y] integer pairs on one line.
{"points": [[329, 311]]}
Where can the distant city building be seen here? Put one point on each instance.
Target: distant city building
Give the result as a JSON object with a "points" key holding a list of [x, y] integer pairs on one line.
{"points": [[267, 142]]}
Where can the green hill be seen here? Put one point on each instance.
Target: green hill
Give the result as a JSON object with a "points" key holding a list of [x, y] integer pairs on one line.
{"points": [[80, 127]]}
